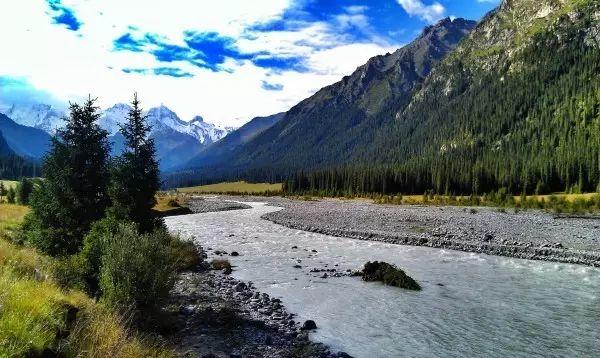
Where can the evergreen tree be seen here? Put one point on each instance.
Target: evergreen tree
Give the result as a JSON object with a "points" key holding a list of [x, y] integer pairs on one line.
{"points": [[10, 195], [24, 190], [2, 189], [135, 174], [74, 192]]}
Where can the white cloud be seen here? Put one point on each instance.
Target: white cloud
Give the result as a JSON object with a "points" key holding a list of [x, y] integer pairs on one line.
{"points": [[430, 13], [69, 65]]}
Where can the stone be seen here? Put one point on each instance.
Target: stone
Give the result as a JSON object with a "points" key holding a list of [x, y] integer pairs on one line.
{"points": [[309, 325], [234, 253]]}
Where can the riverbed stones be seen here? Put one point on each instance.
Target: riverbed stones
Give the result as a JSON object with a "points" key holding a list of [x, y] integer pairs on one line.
{"points": [[309, 325]]}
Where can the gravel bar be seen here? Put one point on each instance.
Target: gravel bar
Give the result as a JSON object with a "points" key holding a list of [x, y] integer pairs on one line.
{"points": [[529, 234]]}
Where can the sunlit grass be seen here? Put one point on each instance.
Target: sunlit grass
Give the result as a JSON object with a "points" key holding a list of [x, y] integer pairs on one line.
{"points": [[240, 187], [33, 309]]}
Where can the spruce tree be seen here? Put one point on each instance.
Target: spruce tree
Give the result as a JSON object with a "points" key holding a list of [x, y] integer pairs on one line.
{"points": [[135, 173], [74, 192], [24, 190]]}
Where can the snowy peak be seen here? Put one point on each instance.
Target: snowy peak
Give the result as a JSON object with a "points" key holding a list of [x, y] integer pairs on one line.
{"points": [[38, 115], [115, 116]]}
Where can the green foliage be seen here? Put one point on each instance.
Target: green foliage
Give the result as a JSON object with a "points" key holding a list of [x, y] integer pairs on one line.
{"points": [[389, 275], [24, 190], [137, 270], [74, 192], [11, 195], [135, 174]]}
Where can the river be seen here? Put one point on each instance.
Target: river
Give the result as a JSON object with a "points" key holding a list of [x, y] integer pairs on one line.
{"points": [[471, 305]]}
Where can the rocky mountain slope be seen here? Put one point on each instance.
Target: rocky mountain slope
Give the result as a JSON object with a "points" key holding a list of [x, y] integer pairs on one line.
{"points": [[516, 105], [330, 126]]}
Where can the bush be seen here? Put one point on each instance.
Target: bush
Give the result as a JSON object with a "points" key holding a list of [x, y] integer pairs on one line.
{"points": [[389, 275], [10, 195], [70, 272], [94, 245], [221, 265], [137, 271], [186, 254]]}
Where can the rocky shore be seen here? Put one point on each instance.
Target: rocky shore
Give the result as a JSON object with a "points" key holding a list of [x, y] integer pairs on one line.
{"points": [[216, 315]]}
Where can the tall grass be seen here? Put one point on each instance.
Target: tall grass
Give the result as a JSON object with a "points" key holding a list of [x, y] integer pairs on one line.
{"points": [[38, 317]]}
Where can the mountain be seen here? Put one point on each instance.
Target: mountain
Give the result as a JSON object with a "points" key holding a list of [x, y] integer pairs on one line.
{"points": [[329, 127], [38, 115], [213, 153], [112, 118], [176, 140], [4, 147], [515, 106], [27, 142]]}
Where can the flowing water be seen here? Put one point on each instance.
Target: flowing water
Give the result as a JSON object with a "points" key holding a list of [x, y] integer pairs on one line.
{"points": [[471, 304]]}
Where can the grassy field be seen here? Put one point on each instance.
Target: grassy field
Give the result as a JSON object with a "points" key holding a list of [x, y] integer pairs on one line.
{"points": [[240, 187], [9, 183], [169, 205], [420, 199], [38, 316]]}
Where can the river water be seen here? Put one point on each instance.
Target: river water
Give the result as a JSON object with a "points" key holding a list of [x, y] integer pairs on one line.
{"points": [[471, 305]]}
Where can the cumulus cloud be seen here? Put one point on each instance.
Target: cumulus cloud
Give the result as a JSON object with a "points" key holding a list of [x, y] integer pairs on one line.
{"points": [[194, 58], [430, 13]]}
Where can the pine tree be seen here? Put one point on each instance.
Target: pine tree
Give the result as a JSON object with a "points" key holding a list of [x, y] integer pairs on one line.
{"points": [[2, 189], [74, 192], [135, 174], [24, 190]]}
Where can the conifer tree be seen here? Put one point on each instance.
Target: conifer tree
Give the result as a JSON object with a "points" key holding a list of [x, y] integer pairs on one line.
{"points": [[74, 192], [135, 173], [24, 190]]}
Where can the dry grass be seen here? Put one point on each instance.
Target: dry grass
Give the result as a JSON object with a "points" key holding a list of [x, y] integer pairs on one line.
{"points": [[11, 216], [240, 187], [169, 205]]}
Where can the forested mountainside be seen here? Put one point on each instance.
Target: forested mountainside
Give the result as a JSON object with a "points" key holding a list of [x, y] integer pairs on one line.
{"points": [[24, 141], [516, 105], [11, 165], [336, 123]]}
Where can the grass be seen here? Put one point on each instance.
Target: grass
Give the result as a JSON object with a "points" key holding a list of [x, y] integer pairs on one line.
{"points": [[11, 216], [169, 205], [559, 202], [234, 188], [38, 317]]}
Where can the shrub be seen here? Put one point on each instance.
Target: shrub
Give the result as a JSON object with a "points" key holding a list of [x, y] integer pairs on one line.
{"points": [[389, 275], [10, 195], [69, 272], [221, 265], [137, 270], [94, 245], [186, 254]]}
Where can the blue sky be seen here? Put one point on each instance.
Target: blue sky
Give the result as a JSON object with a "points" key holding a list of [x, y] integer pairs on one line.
{"points": [[228, 61]]}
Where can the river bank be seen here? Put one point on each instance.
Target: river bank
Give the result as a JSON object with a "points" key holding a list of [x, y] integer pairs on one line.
{"points": [[501, 306], [533, 235], [215, 315]]}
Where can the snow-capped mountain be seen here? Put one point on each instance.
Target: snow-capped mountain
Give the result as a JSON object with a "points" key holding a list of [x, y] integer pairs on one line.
{"points": [[37, 115], [176, 140], [113, 117], [205, 133]]}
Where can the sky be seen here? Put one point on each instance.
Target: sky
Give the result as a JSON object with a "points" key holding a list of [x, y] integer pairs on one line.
{"points": [[226, 60]]}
